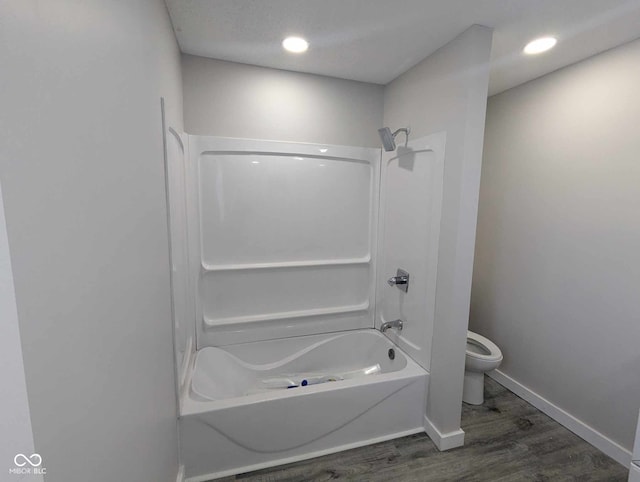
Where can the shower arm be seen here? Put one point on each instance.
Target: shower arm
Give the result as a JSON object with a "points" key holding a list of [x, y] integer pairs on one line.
{"points": [[406, 131]]}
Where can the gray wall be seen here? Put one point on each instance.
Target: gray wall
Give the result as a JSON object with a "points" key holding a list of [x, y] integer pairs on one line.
{"points": [[557, 271], [448, 92], [15, 418], [237, 100], [81, 166]]}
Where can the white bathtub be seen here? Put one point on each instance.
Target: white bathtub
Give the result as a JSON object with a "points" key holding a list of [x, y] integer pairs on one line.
{"points": [[231, 422]]}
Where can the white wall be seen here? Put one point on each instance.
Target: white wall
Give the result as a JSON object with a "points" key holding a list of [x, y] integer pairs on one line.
{"points": [[81, 166], [557, 272], [237, 100], [448, 92]]}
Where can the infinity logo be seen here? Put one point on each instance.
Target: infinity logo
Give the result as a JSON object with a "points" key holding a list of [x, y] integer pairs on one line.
{"points": [[34, 460]]}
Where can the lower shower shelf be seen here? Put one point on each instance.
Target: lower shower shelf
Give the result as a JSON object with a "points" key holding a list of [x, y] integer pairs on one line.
{"points": [[207, 268], [286, 315]]}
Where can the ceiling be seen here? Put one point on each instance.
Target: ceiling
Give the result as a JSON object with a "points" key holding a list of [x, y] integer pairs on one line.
{"points": [[377, 40]]}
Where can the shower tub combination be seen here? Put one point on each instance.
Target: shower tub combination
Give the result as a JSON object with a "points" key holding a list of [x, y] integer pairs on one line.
{"points": [[284, 265]]}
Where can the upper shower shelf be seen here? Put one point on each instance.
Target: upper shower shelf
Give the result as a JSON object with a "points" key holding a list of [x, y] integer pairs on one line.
{"points": [[285, 264]]}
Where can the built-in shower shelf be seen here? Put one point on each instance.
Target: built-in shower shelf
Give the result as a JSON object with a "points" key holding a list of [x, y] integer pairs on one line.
{"points": [[285, 264], [286, 315]]}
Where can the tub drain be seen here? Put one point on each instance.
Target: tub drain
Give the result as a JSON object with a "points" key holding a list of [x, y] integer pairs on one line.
{"points": [[392, 353]]}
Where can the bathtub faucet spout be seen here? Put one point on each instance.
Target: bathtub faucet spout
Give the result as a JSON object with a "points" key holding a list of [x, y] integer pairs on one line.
{"points": [[397, 324]]}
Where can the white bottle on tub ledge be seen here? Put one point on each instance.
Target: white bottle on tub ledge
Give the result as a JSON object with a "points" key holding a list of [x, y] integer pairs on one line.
{"points": [[634, 470]]}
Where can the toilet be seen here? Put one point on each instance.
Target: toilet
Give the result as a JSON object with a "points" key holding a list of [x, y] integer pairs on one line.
{"points": [[482, 356]]}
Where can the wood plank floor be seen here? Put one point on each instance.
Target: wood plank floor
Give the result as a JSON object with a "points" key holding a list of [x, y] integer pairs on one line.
{"points": [[506, 440]]}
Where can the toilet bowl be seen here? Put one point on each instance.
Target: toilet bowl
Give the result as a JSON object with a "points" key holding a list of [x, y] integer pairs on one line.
{"points": [[482, 356]]}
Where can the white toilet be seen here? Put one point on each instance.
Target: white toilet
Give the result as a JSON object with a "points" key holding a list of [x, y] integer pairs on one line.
{"points": [[482, 356]]}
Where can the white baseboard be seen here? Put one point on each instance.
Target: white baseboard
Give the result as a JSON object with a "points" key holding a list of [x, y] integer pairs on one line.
{"points": [[581, 429], [444, 441], [306, 456], [180, 476]]}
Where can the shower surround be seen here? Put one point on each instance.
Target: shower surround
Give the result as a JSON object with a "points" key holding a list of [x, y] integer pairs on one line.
{"points": [[282, 253]]}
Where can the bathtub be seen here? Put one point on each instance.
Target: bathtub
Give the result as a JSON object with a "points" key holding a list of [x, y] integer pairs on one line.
{"points": [[246, 406]]}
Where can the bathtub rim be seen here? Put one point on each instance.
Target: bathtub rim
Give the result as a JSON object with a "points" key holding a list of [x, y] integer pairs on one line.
{"points": [[191, 403]]}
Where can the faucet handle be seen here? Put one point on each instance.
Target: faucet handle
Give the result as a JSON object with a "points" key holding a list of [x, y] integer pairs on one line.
{"points": [[400, 280]]}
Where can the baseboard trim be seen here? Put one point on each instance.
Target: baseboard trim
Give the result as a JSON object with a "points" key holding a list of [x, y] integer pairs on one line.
{"points": [[444, 441], [581, 429], [306, 456], [180, 476]]}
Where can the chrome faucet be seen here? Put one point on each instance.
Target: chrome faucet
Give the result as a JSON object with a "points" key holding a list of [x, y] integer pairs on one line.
{"points": [[397, 324]]}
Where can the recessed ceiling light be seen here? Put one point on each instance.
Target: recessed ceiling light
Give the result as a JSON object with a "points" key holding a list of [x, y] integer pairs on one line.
{"points": [[296, 45], [540, 45]]}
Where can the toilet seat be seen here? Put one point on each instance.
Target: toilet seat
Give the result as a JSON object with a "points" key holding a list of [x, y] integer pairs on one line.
{"points": [[494, 352], [476, 365]]}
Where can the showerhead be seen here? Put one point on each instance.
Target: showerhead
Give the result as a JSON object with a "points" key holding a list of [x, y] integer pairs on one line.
{"points": [[389, 139], [388, 142]]}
